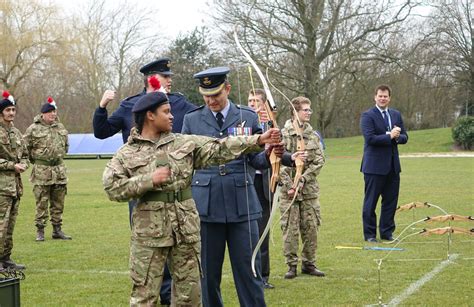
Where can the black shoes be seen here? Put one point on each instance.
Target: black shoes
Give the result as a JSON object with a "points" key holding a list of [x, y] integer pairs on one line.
{"points": [[267, 285], [390, 238], [371, 240]]}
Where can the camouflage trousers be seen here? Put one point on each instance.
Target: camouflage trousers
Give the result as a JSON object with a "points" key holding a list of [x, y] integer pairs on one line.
{"points": [[8, 213], [303, 218], [146, 270], [52, 196]]}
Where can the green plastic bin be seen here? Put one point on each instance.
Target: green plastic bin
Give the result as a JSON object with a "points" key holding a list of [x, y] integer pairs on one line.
{"points": [[9, 292]]}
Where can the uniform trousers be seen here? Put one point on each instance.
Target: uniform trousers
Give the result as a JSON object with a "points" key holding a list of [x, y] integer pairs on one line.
{"points": [[241, 238], [165, 291], [8, 213], [52, 195]]}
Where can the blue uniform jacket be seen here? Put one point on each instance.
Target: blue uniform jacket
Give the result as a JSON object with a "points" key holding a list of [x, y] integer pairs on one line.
{"points": [[123, 119], [226, 194], [379, 149]]}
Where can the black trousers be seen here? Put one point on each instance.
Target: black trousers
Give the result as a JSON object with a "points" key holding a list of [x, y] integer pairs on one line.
{"points": [[262, 222], [388, 187]]}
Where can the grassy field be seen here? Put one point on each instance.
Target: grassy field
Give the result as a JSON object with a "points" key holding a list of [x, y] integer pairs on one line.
{"points": [[421, 141], [91, 270]]}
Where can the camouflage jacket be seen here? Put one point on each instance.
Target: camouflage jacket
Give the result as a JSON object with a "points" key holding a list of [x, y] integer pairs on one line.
{"points": [[47, 145], [12, 151], [312, 165], [129, 176]]}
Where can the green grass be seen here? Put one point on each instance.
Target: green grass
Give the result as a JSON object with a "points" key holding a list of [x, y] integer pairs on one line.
{"points": [[431, 140], [91, 269]]}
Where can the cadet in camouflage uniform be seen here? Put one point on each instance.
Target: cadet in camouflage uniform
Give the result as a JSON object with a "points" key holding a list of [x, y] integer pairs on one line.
{"points": [[47, 143], [13, 162], [156, 167], [304, 215]]}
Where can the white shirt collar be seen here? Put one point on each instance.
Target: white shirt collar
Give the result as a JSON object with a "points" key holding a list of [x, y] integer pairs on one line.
{"points": [[381, 109]]}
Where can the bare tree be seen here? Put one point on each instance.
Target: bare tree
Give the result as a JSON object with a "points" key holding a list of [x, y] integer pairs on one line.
{"points": [[452, 22], [31, 37], [310, 45]]}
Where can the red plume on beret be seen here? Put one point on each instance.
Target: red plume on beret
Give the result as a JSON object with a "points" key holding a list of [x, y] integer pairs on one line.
{"points": [[50, 99], [8, 96]]}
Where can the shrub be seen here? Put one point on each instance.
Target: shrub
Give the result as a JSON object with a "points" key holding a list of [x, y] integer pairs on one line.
{"points": [[463, 132]]}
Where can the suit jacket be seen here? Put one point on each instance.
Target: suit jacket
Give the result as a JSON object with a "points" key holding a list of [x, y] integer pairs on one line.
{"points": [[123, 119], [267, 174], [379, 149], [226, 193]]}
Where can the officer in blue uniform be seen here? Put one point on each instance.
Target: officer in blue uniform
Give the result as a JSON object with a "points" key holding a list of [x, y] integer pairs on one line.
{"points": [[225, 195], [122, 119]]}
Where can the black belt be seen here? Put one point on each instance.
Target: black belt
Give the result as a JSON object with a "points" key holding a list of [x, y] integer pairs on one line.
{"points": [[224, 169], [167, 197]]}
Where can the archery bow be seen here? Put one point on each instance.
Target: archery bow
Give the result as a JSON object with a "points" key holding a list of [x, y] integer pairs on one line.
{"points": [[449, 229], [300, 146], [449, 217], [270, 107], [418, 204]]}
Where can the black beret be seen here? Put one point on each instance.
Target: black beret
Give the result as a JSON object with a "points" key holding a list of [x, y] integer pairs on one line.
{"points": [[49, 106], [211, 81], [7, 101], [149, 101], [161, 66]]}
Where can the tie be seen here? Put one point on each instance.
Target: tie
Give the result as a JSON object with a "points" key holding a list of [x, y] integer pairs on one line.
{"points": [[385, 117], [220, 119]]}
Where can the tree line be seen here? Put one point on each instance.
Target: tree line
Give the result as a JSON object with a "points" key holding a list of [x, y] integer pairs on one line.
{"points": [[334, 52]]}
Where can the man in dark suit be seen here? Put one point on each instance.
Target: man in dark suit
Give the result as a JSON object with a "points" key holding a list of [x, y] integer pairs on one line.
{"points": [[225, 195], [383, 131]]}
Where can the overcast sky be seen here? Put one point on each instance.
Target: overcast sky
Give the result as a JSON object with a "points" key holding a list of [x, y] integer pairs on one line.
{"points": [[174, 16]]}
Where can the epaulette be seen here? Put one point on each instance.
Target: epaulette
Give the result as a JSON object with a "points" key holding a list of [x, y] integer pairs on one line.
{"points": [[176, 93], [198, 108]]}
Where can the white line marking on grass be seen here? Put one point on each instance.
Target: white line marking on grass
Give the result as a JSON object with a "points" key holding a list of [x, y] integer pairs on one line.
{"points": [[420, 282], [80, 271], [439, 155]]}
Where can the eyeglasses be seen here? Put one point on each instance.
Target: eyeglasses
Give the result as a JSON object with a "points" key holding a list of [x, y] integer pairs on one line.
{"points": [[307, 111]]}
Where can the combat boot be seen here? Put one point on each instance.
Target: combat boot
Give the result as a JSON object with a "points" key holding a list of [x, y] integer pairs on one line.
{"points": [[7, 263], [291, 272], [40, 234], [59, 234], [311, 269]]}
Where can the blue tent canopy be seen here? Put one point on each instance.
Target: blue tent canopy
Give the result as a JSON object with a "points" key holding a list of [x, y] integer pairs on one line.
{"points": [[88, 144]]}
